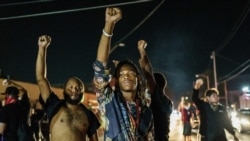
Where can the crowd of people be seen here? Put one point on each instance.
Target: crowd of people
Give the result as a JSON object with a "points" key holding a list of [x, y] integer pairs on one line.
{"points": [[133, 108]]}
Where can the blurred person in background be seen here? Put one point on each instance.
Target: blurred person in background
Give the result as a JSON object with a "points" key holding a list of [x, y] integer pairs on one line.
{"points": [[213, 116], [16, 111], [181, 107], [186, 120], [160, 103]]}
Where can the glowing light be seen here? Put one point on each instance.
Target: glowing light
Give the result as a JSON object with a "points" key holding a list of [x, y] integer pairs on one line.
{"points": [[245, 89]]}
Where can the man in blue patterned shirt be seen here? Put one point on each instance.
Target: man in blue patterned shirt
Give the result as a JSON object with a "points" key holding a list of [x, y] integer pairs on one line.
{"points": [[126, 115]]}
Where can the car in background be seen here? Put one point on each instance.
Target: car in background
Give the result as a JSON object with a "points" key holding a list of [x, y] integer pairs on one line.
{"points": [[241, 120]]}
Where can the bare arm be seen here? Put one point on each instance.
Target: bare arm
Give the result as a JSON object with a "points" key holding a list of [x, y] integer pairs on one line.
{"points": [[21, 89], [146, 65], [93, 138], [112, 15], [2, 127], [41, 70], [195, 95]]}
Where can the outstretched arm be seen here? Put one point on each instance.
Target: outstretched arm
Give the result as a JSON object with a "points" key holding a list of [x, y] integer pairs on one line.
{"points": [[2, 129], [145, 65], [195, 95], [112, 15], [41, 70], [21, 89]]}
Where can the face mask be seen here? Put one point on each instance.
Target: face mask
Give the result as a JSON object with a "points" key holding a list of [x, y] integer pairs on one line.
{"points": [[10, 99]]}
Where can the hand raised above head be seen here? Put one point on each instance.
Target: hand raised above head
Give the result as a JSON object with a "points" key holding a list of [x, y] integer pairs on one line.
{"points": [[198, 83], [116, 62], [113, 14], [5, 82], [44, 41], [142, 44]]}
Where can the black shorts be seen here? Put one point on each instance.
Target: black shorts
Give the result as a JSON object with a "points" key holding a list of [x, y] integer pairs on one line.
{"points": [[187, 129]]}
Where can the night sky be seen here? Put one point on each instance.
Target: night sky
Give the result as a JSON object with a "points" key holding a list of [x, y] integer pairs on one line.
{"points": [[181, 36]]}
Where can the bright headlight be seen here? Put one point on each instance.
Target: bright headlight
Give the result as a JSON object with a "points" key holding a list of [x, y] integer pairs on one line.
{"points": [[244, 121], [233, 114]]}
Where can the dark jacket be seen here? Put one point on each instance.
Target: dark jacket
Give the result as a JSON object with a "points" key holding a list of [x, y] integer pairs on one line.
{"points": [[161, 107], [212, 123], [11, 115]]}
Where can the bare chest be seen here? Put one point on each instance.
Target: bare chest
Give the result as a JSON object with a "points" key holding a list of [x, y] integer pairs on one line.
{"points": [[67, 122]]}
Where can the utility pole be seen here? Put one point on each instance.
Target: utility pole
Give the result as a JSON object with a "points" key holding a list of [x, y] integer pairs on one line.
{"points": [[214, 69]]}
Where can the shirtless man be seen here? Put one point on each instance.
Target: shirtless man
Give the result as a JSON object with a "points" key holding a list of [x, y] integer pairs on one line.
{"points": [[69, 119]]}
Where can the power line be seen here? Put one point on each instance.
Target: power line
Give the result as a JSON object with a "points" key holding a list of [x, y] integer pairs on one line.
{"points": [[143, 21], [24, 3], [70, 10], [244, 69], [235, 28], [230, 76], [227, 59]]}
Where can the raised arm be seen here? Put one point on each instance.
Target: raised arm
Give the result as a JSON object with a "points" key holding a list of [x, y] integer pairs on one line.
{"points": [[145, 65], [41, 70], [112, 15], [21, 89], [195, 95]]}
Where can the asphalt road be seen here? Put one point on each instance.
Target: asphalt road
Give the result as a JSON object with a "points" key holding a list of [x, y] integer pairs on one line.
{"points": [[176, 131]]}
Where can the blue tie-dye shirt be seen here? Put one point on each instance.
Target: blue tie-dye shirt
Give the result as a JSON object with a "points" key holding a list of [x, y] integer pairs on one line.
{"points": [[116, 118]]}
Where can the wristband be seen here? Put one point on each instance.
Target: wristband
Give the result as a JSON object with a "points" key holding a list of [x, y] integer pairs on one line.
{"points": [[106, 34]]}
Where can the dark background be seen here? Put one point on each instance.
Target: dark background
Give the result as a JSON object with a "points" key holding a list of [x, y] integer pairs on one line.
{"points": [[181, 36]]}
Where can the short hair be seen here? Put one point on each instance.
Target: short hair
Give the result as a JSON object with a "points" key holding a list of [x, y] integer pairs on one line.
{"points": [[79, 81], [160, 79], [211, 91], [11, 90]]}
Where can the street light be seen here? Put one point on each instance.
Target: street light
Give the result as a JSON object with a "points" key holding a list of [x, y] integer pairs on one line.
{"points": [[204, 76], [116, 46], [246, 91]]}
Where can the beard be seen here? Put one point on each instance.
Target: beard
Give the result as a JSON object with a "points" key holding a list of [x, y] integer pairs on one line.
{"points": [[72, 101]]}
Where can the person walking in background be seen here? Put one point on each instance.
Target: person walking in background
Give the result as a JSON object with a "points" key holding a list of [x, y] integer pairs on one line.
{"points": [[213, 116], [181, 107], [161, 105], [15, 112], [69, 119], [127, 117], [186, 120]]}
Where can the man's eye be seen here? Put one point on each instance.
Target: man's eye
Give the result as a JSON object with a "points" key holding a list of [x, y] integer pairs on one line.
{"points": [[132, 74], [121, 74]]}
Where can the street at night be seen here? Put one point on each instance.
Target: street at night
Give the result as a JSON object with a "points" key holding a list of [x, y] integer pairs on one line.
{"points": [[184, 41], [176, 130]]}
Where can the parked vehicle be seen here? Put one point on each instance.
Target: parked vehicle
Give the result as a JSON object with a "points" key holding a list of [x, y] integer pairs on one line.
{"points": [[241, 120]]}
